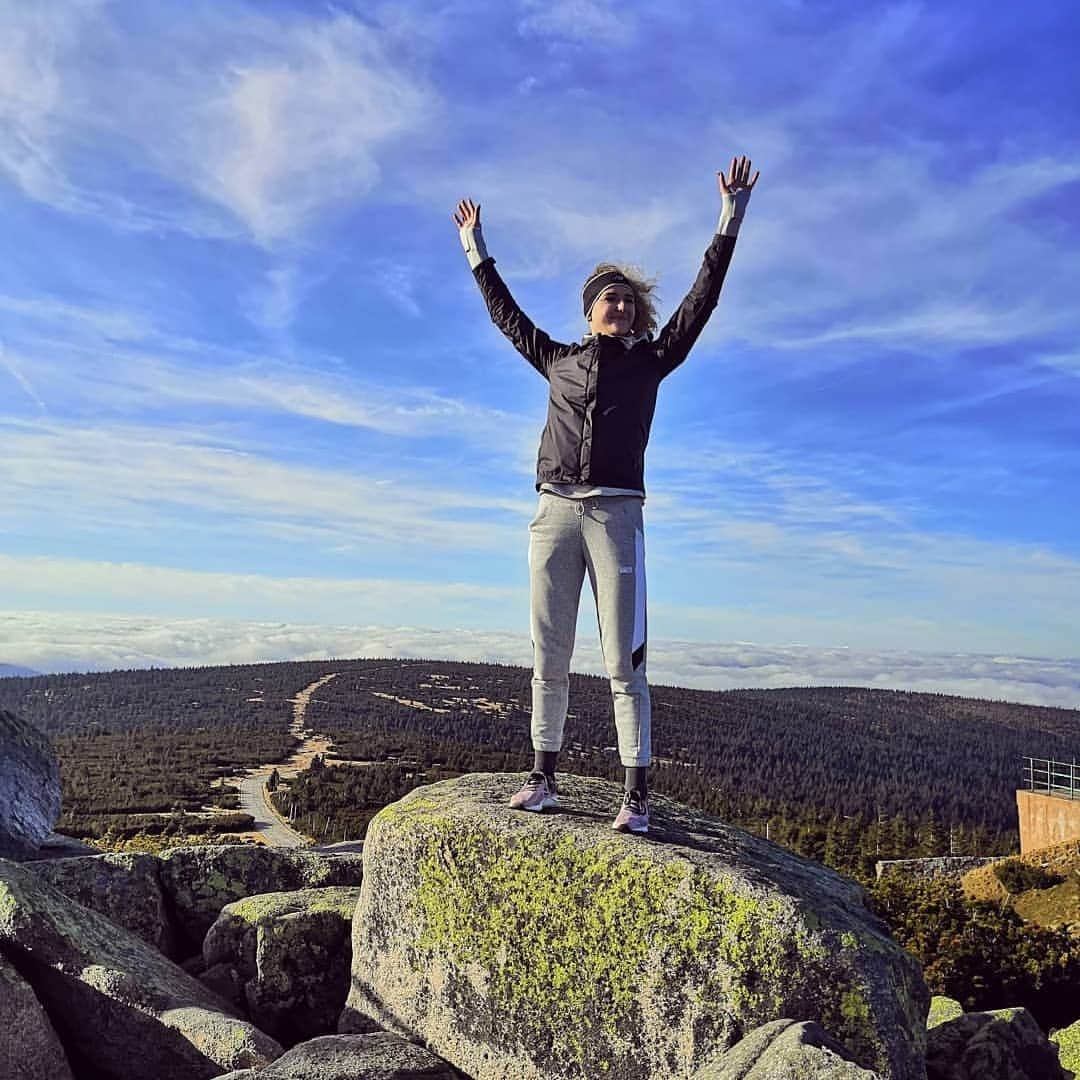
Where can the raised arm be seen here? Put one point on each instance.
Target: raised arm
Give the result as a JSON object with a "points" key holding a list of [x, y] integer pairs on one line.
{"points": [[676, 339], [519, 329]]}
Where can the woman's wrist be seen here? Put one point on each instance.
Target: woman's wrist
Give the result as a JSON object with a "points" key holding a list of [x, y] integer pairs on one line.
{"points": [[732, 209], [472, 240]]}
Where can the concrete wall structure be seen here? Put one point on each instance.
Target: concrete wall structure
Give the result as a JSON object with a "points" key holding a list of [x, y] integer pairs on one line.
{"points": [[1046, 819]]}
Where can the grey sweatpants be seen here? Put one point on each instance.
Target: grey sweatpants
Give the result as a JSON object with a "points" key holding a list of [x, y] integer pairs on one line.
{"points": [[603, 537]]}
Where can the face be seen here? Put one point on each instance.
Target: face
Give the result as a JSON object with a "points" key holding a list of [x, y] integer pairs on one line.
{"points": [[614, 311]]}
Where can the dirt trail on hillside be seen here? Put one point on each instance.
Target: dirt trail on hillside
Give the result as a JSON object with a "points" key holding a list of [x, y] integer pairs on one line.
{"points": [[270, 827]]}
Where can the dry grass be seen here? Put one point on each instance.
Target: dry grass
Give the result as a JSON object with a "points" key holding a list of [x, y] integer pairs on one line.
{"points": [[1057, 905]]}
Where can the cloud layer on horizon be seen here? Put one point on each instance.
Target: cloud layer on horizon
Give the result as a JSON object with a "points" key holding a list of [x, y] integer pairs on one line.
{"points": [[56, 643]]}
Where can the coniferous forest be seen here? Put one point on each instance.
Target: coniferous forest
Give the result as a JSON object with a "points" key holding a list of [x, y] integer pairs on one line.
{"points": [[846, 775]]}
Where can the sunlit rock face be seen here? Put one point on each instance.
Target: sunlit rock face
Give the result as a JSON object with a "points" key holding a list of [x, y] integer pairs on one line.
{"points": [[122, 1011], [527, 945]]}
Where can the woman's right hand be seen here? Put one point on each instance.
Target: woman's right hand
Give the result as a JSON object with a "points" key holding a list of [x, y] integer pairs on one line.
{"points": [[467, 215]]}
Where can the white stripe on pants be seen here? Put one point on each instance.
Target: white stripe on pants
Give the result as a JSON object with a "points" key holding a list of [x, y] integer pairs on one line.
{"points": [[603, 537]]}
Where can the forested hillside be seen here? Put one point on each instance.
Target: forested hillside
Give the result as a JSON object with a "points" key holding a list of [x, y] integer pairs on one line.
{"points": [[898, 772], [843, 774], [153, 742]]}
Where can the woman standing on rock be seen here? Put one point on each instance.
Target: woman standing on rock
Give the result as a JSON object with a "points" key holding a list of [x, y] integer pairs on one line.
{"points": [[590, 475]]}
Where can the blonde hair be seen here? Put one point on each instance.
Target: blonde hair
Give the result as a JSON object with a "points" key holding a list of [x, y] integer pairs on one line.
{"points": [[645, 295]]}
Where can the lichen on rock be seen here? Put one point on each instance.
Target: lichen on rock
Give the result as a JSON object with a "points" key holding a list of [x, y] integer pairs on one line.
{"points": [[521, 946], [290, 952], [122, 1010], [200, 881]]}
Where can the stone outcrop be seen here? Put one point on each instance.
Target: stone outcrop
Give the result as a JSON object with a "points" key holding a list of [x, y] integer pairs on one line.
{"points": [[1005, 1044], [520, 945], [200, 881], [29, 1048], [121, 1009], [289, 954], [785, 1050], [29, 787], [380, 1056], [942, 866], [123, 887]]}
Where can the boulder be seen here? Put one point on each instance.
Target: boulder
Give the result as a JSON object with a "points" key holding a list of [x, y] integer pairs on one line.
{"points": [[521, 945], [123, 887], [943, 1009], [29, 787], [380, 1056], [1067, 1041], [291, 952], [121, 1009], [200, 881], [29, 1048], [1005, 1044], [785, 1050]]}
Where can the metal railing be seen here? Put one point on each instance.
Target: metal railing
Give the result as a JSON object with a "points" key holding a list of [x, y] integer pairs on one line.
{"points": [[1053, 777]]}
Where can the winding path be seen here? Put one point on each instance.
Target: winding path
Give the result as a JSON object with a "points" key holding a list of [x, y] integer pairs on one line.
{"points": [[270, 827]]}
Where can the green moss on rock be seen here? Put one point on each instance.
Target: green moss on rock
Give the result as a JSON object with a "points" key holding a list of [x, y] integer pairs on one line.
{"points": [[1067, 1041], [943, 1009], [538, 915]]}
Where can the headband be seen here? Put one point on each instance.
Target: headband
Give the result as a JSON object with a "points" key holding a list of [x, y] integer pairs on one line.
{"points": [[598, 283]]}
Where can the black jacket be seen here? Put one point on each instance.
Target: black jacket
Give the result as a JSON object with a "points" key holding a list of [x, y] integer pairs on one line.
{"points": [[603, 393]]}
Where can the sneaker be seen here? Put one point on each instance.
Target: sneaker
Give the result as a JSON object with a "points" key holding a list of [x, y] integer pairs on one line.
{"points": [[634, 815], [537, 794]]}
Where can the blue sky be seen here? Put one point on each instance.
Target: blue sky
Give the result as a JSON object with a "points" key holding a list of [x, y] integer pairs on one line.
{"points": [[246, 379]]}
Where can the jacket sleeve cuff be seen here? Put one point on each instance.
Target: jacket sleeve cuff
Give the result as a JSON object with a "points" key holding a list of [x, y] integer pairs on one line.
{"points": [[732, 211], [728, 225], [472, 240]]}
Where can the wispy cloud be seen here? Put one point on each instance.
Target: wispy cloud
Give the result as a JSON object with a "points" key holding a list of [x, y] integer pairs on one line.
{"points": [[170, 373], [96, 477], [273, 121], [12, 369], [595, 22]]}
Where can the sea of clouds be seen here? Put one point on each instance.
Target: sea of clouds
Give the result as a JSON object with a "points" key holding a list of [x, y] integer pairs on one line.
{"points": [[49, 642]]}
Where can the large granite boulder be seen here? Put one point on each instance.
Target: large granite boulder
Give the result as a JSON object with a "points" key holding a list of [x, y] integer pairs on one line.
{"points": [[379, 1056], [123, 887], [29, 1047], [29, 787], [785, 1050], [121, 1009], [200, 881], [1004, 1044], [520, 945], [291, 953]]}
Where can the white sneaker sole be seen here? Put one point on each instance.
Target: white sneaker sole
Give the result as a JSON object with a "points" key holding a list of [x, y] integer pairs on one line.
{"points": [[538, 808]]}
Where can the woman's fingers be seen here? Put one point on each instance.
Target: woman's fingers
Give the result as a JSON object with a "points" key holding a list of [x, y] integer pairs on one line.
{"points": [[738, 175], [467, 214]]}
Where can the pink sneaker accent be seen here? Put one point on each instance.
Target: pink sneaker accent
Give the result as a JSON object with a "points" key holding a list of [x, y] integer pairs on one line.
{"points": [[536, 794], [633, 816]]}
